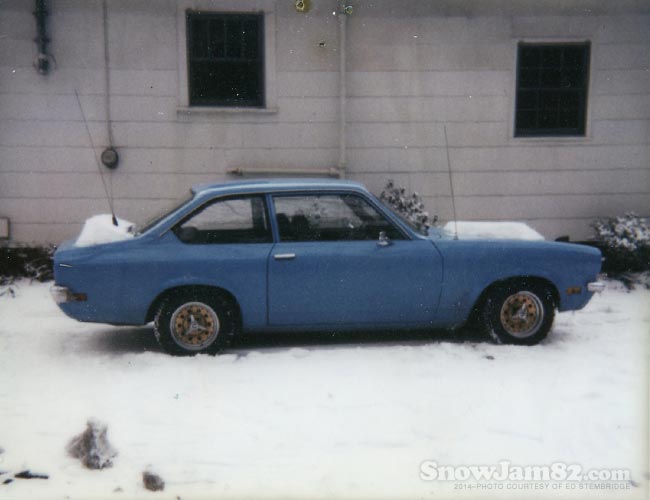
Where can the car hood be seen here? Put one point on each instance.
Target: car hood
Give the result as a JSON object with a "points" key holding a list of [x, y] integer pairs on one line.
{"points": [[485, 230]]}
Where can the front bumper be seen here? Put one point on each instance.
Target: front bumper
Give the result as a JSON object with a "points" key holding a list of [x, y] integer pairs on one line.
{"points": [[596, 286], [62, 294]]}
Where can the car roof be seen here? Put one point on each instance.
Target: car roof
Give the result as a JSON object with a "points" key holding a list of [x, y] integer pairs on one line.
{"points": [[275, 185]]}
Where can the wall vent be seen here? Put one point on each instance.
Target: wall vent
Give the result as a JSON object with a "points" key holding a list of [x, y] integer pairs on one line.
{"points": [[4, 228]]}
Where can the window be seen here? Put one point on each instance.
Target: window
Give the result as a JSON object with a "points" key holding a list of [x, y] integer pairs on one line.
{"points": [[552, 82], [330, 218], [234, 220], [225, 58]]}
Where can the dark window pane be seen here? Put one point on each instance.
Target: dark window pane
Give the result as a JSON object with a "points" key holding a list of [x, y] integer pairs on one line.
{"points": [[551, 57], [527, 119], [529, 56], [568, 118], [549, 110], [529, 77], [233, 38], [571, 79], [225, 63], [551, 78], [574, 58], [217, 46], [199, 41], [551, 97], [527, 99], [250, 41]]}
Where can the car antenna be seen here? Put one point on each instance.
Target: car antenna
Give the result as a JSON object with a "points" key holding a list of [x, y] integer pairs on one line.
{"points": [[451, 185], [99, 168]]}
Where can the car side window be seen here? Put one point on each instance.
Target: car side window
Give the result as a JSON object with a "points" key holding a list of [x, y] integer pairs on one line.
{"points": [[230, 220], [330, 218]]}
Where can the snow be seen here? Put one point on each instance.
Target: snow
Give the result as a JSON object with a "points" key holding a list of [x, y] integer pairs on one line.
{"points": [[303, 416], [100, 229], [493, 230]]}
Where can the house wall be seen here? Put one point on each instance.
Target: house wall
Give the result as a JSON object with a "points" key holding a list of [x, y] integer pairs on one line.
{"points": [[413, 68]]}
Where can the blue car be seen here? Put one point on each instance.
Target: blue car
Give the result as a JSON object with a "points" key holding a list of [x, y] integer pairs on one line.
{"points": [[283, 255]]}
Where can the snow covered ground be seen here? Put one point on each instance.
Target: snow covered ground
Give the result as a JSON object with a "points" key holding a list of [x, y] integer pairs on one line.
{"points": [[305, 416]]}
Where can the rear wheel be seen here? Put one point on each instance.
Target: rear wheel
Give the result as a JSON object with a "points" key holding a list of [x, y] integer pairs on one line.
{"points": [[195, 322], [519, 313]]}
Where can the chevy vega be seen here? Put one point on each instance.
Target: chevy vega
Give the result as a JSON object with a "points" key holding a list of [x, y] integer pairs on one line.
{"points": [[282, 255]]}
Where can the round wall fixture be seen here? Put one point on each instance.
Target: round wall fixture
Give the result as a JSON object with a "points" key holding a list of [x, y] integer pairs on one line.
{"points": [[303, 5], [110, 158]]}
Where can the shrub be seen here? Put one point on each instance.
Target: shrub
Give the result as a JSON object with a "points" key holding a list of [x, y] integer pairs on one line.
{"points": [[410, 206], [26, 262], [625, 243]]}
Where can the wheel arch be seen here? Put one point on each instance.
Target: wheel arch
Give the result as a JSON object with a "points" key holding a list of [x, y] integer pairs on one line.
{"points": [[537, 280], [188, 289]]}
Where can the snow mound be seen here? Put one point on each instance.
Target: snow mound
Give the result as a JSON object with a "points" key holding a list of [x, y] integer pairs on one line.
{"points": [[100, 229], [494, 230], [92, 446]]}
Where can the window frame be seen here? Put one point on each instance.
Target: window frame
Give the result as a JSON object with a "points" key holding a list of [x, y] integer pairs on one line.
{"points": [[266, 8], [259, 61], [557, 133], [269, 234], [388, 218]]}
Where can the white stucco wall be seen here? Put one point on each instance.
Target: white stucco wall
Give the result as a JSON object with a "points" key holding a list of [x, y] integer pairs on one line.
{"points": [[413, 67]]}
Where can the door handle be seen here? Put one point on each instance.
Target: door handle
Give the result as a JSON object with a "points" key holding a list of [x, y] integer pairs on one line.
{"points": [[284, 256]]}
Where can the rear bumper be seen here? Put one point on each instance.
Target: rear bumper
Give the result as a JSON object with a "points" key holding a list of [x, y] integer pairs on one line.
{"points": [[62, 294]]}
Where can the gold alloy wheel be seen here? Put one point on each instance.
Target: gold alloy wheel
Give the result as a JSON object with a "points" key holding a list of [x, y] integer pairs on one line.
{"points": [[194, 326], [522, 314]]}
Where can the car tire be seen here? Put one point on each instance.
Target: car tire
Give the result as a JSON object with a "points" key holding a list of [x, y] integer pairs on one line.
{"points": [[519, 313], [195, 323]]}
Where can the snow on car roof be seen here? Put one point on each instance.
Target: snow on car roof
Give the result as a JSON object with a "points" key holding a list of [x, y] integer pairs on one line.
{"points": [[275, 184]]}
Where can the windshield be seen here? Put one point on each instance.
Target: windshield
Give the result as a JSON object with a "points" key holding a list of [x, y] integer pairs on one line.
{"points": [[161, 214]]}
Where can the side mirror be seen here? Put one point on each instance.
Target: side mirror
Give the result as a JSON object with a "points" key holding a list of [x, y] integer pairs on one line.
{"points": [[187, 234], [383, 240]]}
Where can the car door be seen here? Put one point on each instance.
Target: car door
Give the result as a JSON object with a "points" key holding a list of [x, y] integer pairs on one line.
{"points": [[329, 266], [225, 243]]}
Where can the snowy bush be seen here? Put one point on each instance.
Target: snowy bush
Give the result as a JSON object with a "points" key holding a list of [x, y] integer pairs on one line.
{"points": [[26, 262], [626, 242], [6, 286], [410, 206]]}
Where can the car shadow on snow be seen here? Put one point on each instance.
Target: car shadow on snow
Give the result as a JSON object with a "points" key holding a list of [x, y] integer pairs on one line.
{"points": [[335, 338], [122, 340], [134, 340]]}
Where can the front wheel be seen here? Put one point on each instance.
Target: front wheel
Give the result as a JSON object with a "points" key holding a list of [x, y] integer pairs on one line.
{"points": [[193, 323], [519, 313]]}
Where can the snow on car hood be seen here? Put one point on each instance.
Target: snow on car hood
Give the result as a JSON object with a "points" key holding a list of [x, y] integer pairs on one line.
{"points": [[493, 230], [100, 229]]}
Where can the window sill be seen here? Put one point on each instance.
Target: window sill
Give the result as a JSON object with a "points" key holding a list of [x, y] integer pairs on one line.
{"points": [[552, 140], [208, 110]]}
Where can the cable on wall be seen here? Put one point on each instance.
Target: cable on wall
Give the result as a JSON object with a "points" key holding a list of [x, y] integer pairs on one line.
{"points": [[109, 156]]}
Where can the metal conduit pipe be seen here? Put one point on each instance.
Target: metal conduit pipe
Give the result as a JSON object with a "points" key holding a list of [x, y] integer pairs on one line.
{"points": [[42, 62], [340, 170], [344, 11]]}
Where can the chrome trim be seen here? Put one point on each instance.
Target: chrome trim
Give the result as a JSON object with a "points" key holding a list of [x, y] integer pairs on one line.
{"points": [[383, 240], [194, 326], [596, 286], [522, 314], [60, 294], [284, 256], [65, 265]]}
